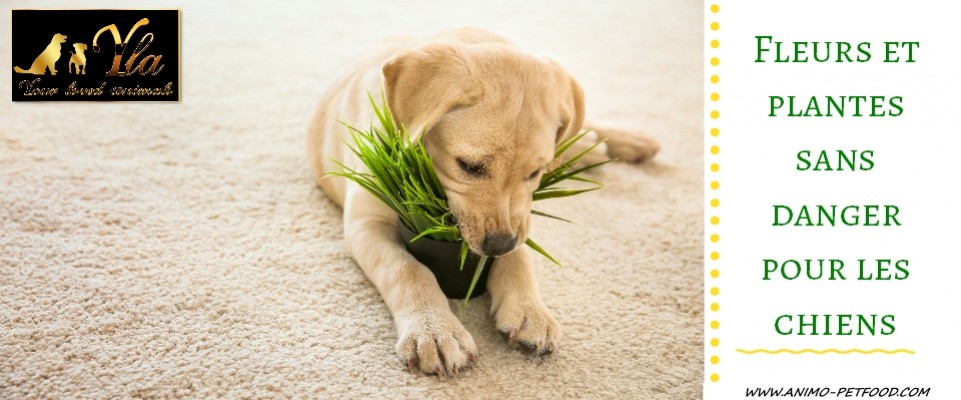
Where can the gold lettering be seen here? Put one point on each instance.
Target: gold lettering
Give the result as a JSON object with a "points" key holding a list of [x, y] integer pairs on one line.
{"points": [[120, 47], [30, 88]]}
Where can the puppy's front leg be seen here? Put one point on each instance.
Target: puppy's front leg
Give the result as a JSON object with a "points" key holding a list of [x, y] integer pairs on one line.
{"points": [[429, 335], [516, 304]]}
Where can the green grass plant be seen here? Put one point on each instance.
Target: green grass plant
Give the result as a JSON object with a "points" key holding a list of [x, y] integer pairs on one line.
{"points": [[402, 176]]}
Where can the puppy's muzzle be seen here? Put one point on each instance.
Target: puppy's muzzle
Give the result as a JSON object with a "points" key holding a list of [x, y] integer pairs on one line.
{"points": [[498, 244]]}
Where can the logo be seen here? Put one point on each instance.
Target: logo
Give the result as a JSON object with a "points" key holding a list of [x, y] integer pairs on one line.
{"points": [[96, 55]]}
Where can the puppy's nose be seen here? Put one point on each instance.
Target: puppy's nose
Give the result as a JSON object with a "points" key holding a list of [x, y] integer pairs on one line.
{"points": [[498, 244]]}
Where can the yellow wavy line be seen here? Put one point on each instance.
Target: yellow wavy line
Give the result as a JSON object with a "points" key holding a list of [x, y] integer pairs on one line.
{"points": [[825, 351]]}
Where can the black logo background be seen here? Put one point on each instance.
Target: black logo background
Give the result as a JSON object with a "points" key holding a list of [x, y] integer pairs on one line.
{"points": [[33, 30]]}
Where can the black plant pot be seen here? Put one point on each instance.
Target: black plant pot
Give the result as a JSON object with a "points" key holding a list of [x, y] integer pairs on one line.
{"points": [[443, 259]]}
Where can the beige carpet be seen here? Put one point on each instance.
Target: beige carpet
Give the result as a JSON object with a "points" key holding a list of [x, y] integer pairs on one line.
{"points": [[182, 250]]}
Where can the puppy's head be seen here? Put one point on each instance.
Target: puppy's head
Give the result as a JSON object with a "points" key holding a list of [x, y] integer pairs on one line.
{"points": [[491, 116], [58, 38], [80, 47]]}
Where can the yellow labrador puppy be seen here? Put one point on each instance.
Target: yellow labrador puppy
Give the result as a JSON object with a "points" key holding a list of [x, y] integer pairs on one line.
{"points": [[491, 115]]}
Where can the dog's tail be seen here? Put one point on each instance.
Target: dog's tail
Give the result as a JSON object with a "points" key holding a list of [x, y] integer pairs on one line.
{"points": [[20, 70]]}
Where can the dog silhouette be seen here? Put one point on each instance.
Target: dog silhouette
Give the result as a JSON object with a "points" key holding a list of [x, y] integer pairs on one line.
{"points": [[47, 59], [78, 60]]}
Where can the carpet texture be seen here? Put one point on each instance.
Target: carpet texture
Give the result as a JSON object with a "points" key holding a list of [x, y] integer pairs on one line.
{"points": [[183, 250]]}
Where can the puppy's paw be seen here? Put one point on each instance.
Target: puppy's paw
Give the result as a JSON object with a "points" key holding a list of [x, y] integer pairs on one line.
{"points": [[435, 342], [628, 146], [527, 323]]}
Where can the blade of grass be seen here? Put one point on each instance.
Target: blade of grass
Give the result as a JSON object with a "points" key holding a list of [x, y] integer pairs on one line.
{"points": [[544, 214], [551, 178], [557, 193], [567, 143], [576, 172], [464, 248], [530, 243], [473, 281]]}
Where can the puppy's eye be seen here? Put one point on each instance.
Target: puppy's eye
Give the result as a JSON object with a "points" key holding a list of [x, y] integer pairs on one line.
{"points": [[472, 169], [534, 175]]}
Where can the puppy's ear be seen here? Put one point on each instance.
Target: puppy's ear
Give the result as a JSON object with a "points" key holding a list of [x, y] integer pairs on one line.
{"points": [[573, 112], [571, 99], [424, 83]]}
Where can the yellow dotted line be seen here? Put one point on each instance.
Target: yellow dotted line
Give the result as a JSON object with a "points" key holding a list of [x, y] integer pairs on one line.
{"points": [[715, 203]]}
